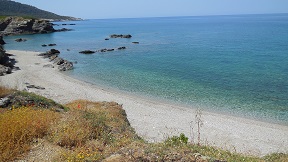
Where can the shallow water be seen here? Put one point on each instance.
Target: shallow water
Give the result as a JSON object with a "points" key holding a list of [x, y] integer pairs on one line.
{"points": [[228, 64]]}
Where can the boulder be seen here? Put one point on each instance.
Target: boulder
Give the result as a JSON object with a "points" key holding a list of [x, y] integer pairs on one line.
{"points": [[54, 51], [4, 102], [2, 42], [87, 52], [5, 70], [66, 65], [8, 70], [59, 61], [44, 45], [2, 70]]}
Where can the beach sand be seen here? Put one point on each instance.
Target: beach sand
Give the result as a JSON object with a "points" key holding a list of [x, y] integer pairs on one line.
{"points": [[152, 120]]}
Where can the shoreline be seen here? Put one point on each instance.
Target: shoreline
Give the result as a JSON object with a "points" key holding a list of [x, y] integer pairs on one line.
{"points": [[152, 120], [178, 104]]}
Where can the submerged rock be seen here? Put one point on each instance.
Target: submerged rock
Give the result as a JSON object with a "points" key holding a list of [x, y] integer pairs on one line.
{"points": [[20, 40]]}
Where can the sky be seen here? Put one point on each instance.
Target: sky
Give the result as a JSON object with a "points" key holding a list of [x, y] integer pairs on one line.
{"points": [[101, 9]]}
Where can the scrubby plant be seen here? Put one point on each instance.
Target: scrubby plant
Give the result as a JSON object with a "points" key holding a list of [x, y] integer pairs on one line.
{"points": [[19, 127]]}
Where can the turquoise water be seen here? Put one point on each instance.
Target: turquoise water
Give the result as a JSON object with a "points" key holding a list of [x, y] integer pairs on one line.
{"points": [[228, 64]]}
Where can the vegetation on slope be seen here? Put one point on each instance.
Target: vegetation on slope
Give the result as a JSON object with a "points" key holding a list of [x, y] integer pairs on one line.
{"points": [[93, 131], [11, 8]]}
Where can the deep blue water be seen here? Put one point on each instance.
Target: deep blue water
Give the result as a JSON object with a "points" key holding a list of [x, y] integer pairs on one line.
{"points": [[228, 64]]}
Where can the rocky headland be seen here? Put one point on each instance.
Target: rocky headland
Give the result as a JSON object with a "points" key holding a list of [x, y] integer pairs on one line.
{"points": [[19, 25]]}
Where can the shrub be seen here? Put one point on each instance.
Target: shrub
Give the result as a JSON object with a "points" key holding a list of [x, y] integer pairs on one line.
{"points": [[19, 127], [176, 141]]}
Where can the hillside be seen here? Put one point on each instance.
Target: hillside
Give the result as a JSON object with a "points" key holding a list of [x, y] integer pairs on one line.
{"points": [[11, 8]]}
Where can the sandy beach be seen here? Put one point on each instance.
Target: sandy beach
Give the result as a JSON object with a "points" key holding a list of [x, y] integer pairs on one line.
{"points": [[152, 120]]}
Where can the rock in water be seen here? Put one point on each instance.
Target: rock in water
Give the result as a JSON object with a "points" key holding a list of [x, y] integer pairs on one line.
{"points": [[120, 36], [87, 52], [20, 40]]}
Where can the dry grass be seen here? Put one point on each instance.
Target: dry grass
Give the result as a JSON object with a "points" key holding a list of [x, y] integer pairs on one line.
{"points": [[19, 127], [5, 91], [92, 130]]}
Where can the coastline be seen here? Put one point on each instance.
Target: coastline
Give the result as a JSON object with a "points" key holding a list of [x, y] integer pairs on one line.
{"points": [[154, 121]]}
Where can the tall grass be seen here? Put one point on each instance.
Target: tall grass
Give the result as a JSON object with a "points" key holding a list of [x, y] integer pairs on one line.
{"points": [[19, 127]]}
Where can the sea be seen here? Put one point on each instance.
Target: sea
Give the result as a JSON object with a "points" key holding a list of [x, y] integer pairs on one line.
{"points": [[235, 64]]}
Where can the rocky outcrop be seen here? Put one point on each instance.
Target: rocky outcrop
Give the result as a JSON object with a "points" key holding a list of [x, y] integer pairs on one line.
{"points": [[53, 55], [6, 64], [19, 25], [2, 42], [120, 36]]}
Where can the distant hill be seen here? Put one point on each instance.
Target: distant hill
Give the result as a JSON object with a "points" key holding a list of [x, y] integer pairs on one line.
{"points": [[11, 8]]}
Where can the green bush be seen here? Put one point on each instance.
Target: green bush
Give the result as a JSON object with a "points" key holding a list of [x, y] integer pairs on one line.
{"points": [[176, 141]]}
